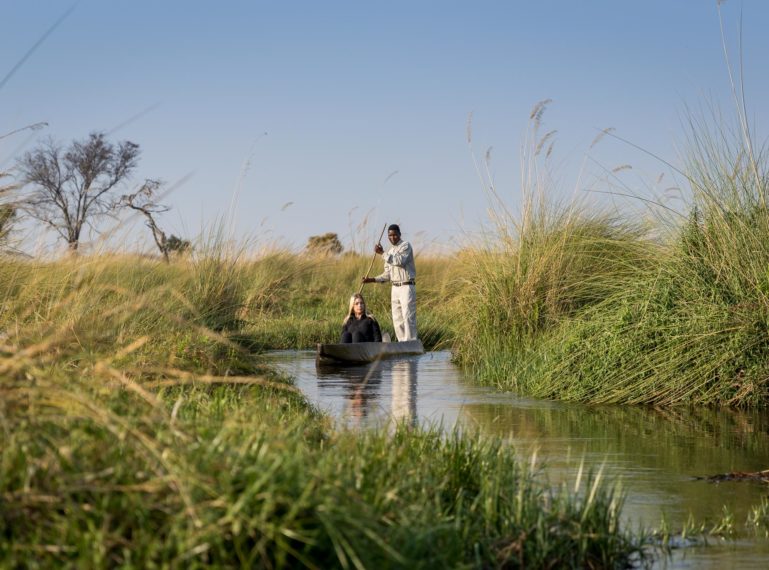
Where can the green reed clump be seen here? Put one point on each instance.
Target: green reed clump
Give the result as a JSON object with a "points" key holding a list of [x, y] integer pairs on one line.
{"points": [[99, 305], [540, 266], [692, 327], [727, 526], [758, 518], [540, 272], [216, 291], [665, 349], [97, 474]]}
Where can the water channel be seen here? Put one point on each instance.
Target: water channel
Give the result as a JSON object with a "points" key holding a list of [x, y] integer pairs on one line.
{"points": [[656, 455]]}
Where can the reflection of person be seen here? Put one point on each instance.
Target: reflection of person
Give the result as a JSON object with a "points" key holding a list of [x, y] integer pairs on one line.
{"points": [[358, 325], [363, 394], [355, 388], [404, 391], [400, 271]]}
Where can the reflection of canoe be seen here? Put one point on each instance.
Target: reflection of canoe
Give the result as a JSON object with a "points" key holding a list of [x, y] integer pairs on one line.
{"points": [[366, 351]]}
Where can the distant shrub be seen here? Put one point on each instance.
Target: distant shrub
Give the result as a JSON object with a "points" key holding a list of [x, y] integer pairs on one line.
{"points": [[175, 244], [327, 244]]}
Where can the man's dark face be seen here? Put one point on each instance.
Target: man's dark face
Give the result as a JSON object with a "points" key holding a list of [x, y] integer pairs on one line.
{"points": [[393, 236]]}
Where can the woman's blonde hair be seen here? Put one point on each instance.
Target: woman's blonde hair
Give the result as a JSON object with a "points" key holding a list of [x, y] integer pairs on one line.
{"points": [[351, 309]]}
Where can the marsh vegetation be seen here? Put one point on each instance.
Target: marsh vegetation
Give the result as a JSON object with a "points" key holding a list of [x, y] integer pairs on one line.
{"points": [[140, 429], [139, 426]]}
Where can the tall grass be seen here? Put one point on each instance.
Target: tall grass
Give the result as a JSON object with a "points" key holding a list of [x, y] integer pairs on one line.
{"points": [[539, 267], [221, 294], [681, 321], [696, 332], [133, 434], [101, 478]]}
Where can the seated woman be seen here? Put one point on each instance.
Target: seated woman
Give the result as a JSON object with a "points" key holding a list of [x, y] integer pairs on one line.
{"points": [[360, 326]]}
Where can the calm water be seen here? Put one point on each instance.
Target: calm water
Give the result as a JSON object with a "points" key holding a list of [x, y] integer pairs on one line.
{"points": [[656, 454]]}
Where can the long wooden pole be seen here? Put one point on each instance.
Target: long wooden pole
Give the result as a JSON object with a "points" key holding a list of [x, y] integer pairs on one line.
{"points": [[373, 258]]}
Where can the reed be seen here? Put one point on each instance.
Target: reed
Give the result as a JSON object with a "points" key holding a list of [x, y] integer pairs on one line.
{"points": [[538, 268], [596, 313], [693, 331], [133, 435], [230, 477]]}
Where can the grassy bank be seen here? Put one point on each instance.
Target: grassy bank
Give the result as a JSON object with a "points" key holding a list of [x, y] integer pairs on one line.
{"points": [[138, 429], [574, 304]]}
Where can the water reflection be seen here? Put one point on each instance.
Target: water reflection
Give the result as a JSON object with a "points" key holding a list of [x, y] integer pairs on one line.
{"points": [[404, 391], [657, 454], [360, 387], [370, 394]]}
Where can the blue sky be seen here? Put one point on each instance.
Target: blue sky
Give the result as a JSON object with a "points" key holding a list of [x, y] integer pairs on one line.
{"points": [[350, 93]]}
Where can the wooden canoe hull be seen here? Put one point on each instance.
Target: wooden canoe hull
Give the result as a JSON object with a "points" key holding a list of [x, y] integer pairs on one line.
{"points": [[361, 352]]}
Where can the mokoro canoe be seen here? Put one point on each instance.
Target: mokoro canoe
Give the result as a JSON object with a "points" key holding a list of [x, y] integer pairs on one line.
{"points": [[360, 352]]}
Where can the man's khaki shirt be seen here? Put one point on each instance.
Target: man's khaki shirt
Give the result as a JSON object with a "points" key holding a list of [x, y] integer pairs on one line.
{"points": [[398, 264]]}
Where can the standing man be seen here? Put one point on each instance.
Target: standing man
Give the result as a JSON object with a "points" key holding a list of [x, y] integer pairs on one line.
{"points": [[399, 270]]}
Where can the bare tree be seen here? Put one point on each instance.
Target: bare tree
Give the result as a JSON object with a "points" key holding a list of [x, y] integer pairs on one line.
{"points": [[144, 200], [72, 187]]}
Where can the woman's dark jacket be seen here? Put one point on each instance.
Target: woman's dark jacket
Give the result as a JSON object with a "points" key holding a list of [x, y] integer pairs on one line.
{"points": [[365, 329]]}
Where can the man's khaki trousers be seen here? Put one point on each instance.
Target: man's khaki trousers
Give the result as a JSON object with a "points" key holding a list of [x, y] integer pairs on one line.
{"points": [[404, 308]]}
